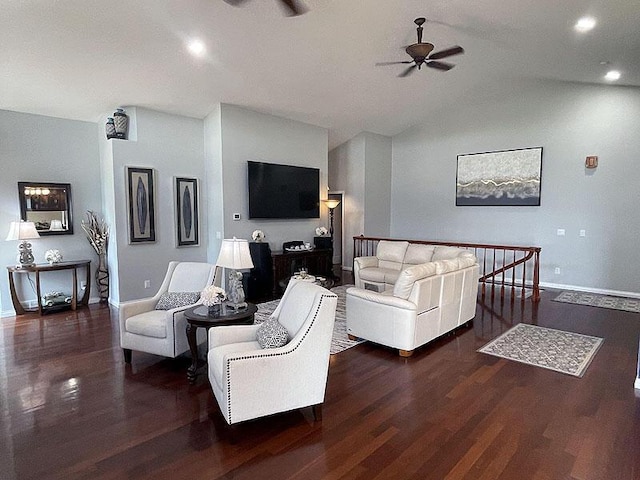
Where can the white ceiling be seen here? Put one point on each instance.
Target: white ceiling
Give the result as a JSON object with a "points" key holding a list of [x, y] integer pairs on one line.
{"points": [[80, 59]]}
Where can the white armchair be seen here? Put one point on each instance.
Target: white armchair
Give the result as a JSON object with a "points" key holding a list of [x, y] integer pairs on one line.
{"points": [[163, 332], [250, 382]]}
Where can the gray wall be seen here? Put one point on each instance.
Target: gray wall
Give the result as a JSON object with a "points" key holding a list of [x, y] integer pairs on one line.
{"points": [[248, 135], [377, 179], [173, 146], [45, 149], [569, 122]]}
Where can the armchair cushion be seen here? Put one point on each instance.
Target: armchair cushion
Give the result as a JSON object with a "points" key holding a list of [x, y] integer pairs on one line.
{"points": [[169, 300], [150, 324], [272, 335]]}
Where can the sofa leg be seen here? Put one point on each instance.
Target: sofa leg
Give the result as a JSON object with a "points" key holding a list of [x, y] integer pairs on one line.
{"points": [[317, 412], [127, 355], [405, 353], [352, 337]]}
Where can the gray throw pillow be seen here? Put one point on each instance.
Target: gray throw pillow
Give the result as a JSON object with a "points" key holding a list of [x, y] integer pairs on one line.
{"points": [[272, 335], [169, 300]]}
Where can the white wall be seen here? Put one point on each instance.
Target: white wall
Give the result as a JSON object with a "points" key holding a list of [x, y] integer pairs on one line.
{"points": [[173, 146], [44, 149], [213, 182], [569, 122], [248, 135]]}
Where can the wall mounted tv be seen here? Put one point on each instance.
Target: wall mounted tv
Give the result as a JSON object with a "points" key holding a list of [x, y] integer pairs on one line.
{"points": [[283, 191]]}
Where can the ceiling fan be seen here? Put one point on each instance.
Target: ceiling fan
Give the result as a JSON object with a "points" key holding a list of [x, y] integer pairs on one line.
{"points": [[420, 51], [292, 7]]}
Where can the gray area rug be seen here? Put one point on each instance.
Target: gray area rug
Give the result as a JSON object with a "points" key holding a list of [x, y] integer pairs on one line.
{"points": [[564, 352], [340, 340], [597, 300]]}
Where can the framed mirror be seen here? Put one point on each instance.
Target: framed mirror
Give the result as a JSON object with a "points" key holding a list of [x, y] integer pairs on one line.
{"points": [[48, 205]]}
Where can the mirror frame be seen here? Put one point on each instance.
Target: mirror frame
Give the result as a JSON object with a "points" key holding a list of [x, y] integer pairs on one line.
{"points": [[69, 209]]}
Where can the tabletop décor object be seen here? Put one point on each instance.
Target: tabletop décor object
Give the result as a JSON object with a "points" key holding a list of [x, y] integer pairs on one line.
{"points": [[321, 231], [212, 297], [97, 232], [23, 231], [257, 235], [53, 256]]}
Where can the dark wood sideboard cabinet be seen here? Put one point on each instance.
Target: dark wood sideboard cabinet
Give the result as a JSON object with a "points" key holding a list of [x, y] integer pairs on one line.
{"points": [[270, 268]]}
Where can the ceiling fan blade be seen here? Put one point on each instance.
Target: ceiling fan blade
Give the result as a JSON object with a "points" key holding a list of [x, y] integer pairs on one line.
{"points": [[392, 63], [440, 65], [293, 7], [235, 3], [446, 53], [408, 71]]}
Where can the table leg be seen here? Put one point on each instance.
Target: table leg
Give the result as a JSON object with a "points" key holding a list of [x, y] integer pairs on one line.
{"points": [[38, 293], [17, 306], [193, 346]]}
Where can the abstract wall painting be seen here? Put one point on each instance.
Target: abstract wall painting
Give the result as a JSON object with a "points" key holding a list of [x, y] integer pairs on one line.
{"points": [[142, 226], [503, 178], [186, 201]]}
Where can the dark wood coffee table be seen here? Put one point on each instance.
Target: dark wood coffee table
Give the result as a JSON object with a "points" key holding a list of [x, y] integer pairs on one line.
{"points": [[199, 317], [325, 282]]}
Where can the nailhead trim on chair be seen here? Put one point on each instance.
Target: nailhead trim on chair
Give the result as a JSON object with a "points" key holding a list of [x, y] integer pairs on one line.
{"points": [[270, 354]]}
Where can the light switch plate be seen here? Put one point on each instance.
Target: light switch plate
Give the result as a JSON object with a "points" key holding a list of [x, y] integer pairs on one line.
{"points": [[561, 232]]}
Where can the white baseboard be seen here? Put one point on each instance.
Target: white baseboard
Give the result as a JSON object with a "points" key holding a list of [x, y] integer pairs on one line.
{"points": [[636, 384], [601, 291]]}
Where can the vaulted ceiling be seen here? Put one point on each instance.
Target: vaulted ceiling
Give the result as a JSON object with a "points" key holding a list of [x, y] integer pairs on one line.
{"points": [[80, 59]]}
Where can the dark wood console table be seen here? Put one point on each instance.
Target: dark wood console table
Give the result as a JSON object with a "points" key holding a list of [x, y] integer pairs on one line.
{"points": [[317, 262], [45, 267]]}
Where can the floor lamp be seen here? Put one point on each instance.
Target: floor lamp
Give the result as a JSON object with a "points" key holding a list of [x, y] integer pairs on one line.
{"points": [[331, 204]]}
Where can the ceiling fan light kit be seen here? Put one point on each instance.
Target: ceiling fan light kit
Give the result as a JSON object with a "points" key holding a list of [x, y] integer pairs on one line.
{"points": [[420, 53]]}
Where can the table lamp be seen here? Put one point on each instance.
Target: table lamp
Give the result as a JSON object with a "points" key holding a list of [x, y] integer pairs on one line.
{"points": [[23, 231], [235, 255]]}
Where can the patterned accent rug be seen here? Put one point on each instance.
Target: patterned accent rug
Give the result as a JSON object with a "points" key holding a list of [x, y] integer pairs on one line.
{"points": [[564, 352], [340, 340], [597, 300]]}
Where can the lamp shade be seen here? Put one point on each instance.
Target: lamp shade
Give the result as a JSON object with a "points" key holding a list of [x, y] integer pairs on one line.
{"points": [[331, 203], [234, 254], [22, 231]]}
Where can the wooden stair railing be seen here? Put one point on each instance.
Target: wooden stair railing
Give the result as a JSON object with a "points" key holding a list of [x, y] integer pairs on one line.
{"points": [[502, 267]]}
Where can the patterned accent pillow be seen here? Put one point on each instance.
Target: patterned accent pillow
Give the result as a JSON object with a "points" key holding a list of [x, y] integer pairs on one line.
{"points": [[169, 300], [272, 335]]}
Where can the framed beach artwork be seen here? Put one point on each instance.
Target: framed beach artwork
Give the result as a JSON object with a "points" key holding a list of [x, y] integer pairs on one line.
{"points": [[503, 178], [142, 226], [186, 203]]}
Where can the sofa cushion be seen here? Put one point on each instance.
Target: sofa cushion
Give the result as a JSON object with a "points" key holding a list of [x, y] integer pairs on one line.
{"points": [[148, 324], [169, 300], [391, 251], [272, 335], [446, 253], [418, 253], [379, 275], [409, 276]]}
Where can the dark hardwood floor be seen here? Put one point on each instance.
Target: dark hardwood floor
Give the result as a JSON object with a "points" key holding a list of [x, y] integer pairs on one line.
{"points": [[71, 408]]}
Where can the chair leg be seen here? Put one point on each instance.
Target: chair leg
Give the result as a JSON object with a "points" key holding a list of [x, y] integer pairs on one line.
{"points": [[405, 353], [127, 355], [317, 412]]}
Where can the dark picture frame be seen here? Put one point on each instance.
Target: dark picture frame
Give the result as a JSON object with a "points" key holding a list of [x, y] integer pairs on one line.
{"points": [[48, 205], [187, 217], [140, 187], [500, 178]]}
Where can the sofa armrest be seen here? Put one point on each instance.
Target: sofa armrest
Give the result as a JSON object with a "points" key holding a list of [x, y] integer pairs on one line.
{"points": [[380, 298], [225, 335], [364, 262], [136, 307]]}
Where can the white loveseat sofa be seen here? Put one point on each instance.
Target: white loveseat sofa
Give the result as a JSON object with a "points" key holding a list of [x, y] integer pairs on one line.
{"points": [[418, 303]]}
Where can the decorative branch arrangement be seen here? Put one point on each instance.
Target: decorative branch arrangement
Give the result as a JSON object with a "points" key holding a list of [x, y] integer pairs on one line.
{"points": [[97, 232]]}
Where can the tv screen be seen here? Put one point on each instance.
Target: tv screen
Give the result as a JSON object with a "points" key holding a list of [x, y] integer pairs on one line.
{"points": [[283, 191]]}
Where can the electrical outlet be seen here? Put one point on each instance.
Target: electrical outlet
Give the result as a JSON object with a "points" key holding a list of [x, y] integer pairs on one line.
{"points": [[147, 284], [583, 233], [561, 232], [557, 271]]}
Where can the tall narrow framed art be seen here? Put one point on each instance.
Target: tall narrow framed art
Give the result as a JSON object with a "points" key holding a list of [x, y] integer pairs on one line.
{"points": [[503, 178], [142, 224], [186, 201]]}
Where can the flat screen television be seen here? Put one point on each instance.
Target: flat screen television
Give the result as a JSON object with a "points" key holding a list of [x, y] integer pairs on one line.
{"points": [[283, 191]]}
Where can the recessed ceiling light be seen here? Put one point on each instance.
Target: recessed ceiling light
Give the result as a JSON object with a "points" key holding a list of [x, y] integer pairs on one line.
{"points": [[612, 75], [585, 24], [196, 48]]}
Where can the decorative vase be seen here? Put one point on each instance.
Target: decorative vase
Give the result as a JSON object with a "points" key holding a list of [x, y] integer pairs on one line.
{"points": [[214, 310], [110, 128], [102, 277], [121, 122]]}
